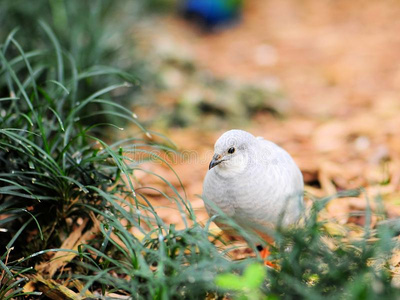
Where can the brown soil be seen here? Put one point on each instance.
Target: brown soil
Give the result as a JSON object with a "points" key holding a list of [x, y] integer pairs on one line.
{"points": [[339, 65]]}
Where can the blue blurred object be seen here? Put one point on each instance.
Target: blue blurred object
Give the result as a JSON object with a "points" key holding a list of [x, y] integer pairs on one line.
{"points": [[212, 13]]}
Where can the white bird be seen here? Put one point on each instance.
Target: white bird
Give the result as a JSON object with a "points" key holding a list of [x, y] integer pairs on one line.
{"points": [[253, 181]]}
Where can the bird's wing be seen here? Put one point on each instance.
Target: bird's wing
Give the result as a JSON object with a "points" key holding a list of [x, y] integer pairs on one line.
{"points": [[272, 151], [275, 156], [286, 176]]}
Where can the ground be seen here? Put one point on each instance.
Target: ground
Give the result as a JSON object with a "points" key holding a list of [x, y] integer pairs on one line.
{"points": [[339, 67], [335, 65]]}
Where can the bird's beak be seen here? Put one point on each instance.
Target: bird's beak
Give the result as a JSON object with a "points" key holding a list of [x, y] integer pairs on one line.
{"points": [[216, 160]]}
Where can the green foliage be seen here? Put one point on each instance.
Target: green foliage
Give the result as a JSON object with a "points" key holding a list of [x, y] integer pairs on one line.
{"points": [[314, 264], [86, 29], [160, 6], [12, 280], [169, 263], [49, 157], [247, 286], [56, 171], [165, 264], [93, 33]]}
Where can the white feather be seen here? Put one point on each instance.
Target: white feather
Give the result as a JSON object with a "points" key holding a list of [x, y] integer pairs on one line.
{"points": [[259, 184]]}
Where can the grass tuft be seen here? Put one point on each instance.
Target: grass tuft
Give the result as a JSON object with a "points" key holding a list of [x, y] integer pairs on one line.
{"points": [[61, 181]]}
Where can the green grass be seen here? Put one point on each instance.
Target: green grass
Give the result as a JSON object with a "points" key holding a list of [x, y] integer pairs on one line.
{"points": [[52, 163], [348, 269], [95, 34], [56, 171]]}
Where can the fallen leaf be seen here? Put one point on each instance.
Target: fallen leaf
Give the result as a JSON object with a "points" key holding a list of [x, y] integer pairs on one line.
{"points": [[76, 238], [54, 290]]}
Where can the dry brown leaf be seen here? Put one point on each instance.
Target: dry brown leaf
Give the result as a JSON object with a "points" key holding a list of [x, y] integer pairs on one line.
{"points": [[54, 290], [118, 296], [76, 238], [29, 287], [330, 136], [338, 209], [325, 180], [395, 263], [314, 192], [330, 242], [395, 259], [79, 286], [335, 229]]}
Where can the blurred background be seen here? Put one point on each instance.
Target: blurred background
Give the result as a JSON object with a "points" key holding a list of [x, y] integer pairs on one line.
{"points": [[319, 78], [109, 111]]}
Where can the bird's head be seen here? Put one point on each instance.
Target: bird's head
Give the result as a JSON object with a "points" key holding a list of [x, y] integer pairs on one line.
{"points": [[232, 151]]}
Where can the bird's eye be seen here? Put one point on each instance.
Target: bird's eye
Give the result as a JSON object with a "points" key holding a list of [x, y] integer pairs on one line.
{"points": [[231, 150]]}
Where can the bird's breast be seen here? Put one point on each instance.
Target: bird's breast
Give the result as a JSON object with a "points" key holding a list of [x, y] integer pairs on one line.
{"points": [[259, 196], [235, 194]]}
